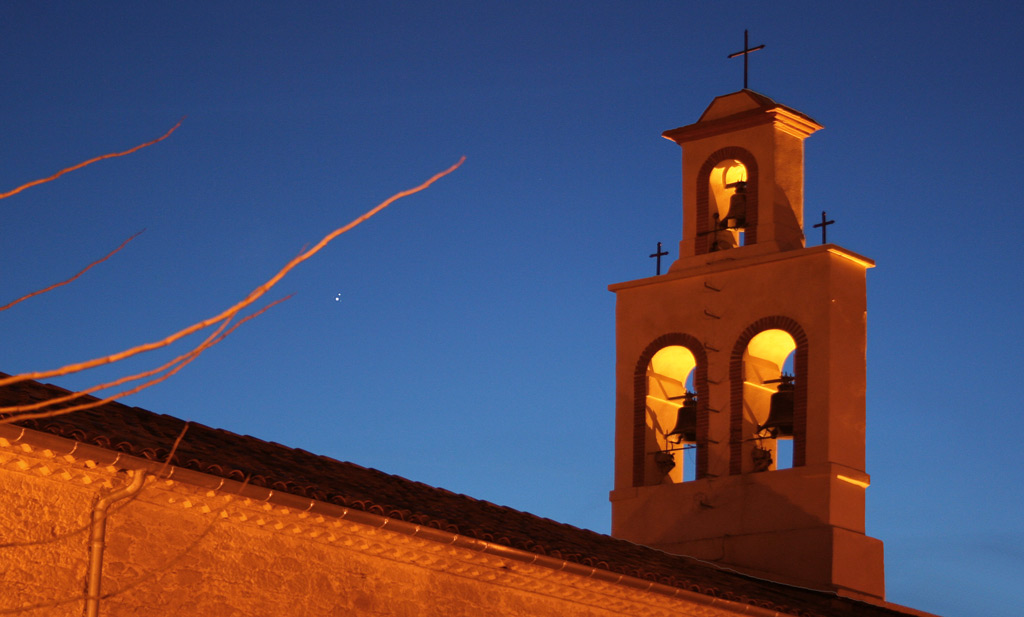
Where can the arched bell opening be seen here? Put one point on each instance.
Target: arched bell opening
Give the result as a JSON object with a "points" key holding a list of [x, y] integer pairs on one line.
{"points": [[783, 403], [769, 416], [727, 191], [671, 416], [726, 206]]}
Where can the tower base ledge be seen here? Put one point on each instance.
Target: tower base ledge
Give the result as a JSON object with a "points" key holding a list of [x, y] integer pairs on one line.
{"points": [[825, 558]]}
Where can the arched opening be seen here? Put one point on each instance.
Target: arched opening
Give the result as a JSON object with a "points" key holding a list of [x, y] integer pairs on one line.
{"points": [[769, 383], [671, 417], [714, 197], [727, 191]]}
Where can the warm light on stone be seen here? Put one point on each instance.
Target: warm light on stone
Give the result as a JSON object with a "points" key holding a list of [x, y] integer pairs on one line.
{"points": [[748, 300], [237, 526]]}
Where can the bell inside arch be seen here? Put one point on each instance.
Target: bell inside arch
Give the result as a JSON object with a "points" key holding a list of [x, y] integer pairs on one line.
{"points": [[685, 430], [780, 412], [736, 218]]}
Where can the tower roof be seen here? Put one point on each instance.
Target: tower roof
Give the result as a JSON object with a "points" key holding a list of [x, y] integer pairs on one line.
{"points": [[744, 108], [744, 100]]}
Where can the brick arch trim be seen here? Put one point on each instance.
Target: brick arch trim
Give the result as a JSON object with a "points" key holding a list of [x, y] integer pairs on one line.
{"points": [[700, 380], [703, 195], [800, 367]]}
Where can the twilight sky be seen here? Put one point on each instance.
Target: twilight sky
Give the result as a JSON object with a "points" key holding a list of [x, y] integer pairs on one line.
{"points": [[465, 336]]}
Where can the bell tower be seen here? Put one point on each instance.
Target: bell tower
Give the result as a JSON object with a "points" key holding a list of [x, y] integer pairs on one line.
{"points": [[740, 373]]}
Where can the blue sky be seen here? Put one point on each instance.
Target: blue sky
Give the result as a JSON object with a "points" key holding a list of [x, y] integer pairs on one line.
{"points": [[465, 338]]}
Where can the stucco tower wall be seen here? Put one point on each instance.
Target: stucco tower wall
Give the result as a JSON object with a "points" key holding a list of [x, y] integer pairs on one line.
{"points": [[734, 514]]}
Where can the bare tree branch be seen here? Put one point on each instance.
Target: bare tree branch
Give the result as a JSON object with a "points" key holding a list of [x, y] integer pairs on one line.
{"points": [[170, 368], [148, 378], [253, 296], [73, 278], [111, 155], [212, 339]]}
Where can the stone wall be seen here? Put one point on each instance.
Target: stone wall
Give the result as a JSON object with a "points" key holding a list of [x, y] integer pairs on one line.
{"points": [[180, 549]]}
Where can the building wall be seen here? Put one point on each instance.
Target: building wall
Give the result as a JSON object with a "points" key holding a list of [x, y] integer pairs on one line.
{"points": [[179, 548]]}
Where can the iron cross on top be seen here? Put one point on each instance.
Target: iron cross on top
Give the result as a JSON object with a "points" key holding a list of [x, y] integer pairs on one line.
{"points": [[824, 227], [659, 254], [746, 51]]}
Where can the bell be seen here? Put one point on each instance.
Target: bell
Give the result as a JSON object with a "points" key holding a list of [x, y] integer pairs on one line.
{"points": [[686, 422], [736, 218], [665, 461], [780, 412]]}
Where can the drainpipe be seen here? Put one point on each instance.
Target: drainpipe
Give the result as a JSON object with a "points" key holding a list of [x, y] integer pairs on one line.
{"points": [[97, 540]]}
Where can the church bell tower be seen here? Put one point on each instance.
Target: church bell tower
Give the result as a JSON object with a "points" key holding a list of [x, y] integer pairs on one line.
{"points": [[740, 373]]}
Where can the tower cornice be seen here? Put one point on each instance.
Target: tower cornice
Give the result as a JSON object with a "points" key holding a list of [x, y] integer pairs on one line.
{"points": [[786, 120], [713, 263], [742, 110]]}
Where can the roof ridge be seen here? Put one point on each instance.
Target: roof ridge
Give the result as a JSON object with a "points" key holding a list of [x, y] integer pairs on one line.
{"points": [[223, 453]]}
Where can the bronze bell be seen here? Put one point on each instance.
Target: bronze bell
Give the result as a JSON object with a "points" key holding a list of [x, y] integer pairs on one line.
{"points": [[736, 218], [685, 430], [665, 460], [780, 412]]}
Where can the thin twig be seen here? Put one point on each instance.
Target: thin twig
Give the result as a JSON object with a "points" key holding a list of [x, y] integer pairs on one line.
{"points": [[111, 155], [209, 341], [181, 362], [62, 283], [253, 296]]}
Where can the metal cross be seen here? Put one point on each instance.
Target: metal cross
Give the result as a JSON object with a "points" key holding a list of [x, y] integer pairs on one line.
{"points": [[824, 227], [746, 51], [659, 254]]}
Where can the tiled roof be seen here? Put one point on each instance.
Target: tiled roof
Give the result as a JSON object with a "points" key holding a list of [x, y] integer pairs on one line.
{"points": [[225, 454]]}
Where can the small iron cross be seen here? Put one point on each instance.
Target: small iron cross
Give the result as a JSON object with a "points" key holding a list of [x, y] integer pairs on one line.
{"points": [[659, 255], [824, 227], [747, 49]]}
